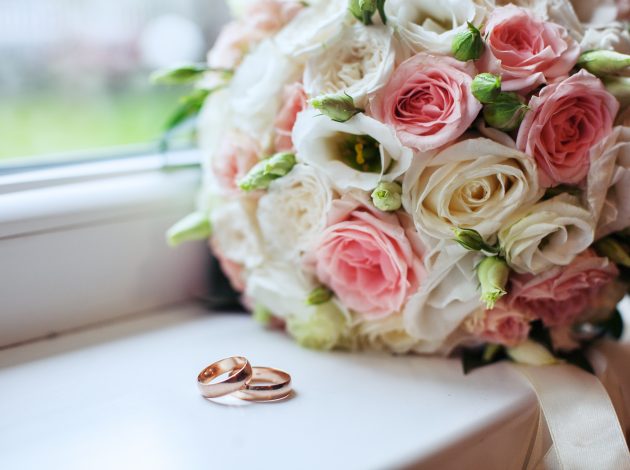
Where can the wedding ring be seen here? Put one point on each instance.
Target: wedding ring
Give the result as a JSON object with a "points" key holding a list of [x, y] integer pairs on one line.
{"points": [[266, 384], [239, 370]]}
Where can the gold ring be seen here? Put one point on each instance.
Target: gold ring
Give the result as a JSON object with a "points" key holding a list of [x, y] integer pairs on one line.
{"points": [[266, 384], [239, 370]]}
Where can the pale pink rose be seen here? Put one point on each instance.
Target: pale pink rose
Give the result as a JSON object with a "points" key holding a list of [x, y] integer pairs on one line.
{"points": [[263, 19], [427, 101], [230, 47], [561, 295], [370, 259], [293, 101], [526, 51], [502, 325], [267, 17], [232, 270], [236, 155], [565, 121]]}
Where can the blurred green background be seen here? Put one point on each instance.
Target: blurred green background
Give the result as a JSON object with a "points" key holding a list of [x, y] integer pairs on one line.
{"points": [[74, 74]]}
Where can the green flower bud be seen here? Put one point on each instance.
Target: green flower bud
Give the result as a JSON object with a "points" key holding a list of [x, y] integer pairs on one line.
{"points": [[506, 112], [279, 164], [363, 10], [468, 45], [264, 172], [387, 197], [613, 250], [619, 87], [195, 226], [338, 107], [603, 63], [324, 329], [262, 315], [531, 353], [319, 295], [493, 273], [472, 240], [486, 87]]}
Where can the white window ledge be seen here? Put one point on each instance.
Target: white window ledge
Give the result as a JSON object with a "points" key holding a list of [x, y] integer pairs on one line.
{"points": [[125, 396]]}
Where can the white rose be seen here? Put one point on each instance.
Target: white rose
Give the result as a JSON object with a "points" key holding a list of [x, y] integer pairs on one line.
{"points": [[293, 211], [475, 184], [322, 143], [236, 233], [447, 296], [256, 90], [430, 25], [313, 26], [550, 233], [386, 334], [608, 183], [358, 62], [614, 36], [213, 123]]}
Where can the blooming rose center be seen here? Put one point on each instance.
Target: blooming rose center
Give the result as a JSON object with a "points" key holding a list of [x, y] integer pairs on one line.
{"points": [[512, 37]]}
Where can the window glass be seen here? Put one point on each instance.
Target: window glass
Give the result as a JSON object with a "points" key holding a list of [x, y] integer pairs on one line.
{"points": [[74, 73]]}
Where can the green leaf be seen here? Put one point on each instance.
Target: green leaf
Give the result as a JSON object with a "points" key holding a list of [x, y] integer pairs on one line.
{"points": [[189, 106], [380, 5], [614, 325], [577, 358], [188, 73], [195, 226]]}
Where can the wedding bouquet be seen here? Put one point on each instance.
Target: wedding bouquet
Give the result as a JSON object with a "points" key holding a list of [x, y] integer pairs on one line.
{"points": [[420, 176]]}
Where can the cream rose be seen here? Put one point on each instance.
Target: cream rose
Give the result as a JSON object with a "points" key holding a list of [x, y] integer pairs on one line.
{"points": [[608, 183], [354, 154], [448, 296], [238, 238], [358, 62], [256, 90], [550, 233], [302, 197], [475, 184], [313, 26], [430, 25], [386, 334]]}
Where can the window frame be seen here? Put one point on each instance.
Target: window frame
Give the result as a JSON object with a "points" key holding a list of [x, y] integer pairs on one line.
{"points": [[84, 243]]}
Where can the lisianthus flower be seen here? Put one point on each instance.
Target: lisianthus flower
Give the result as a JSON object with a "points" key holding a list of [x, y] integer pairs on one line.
{"points": [[370, 259], [474, 184], [427, 25], [357, 62], [525, 50], [358, 153], [566, 120], [548, 234], [560, 295], [293, 211], [428, 101]]}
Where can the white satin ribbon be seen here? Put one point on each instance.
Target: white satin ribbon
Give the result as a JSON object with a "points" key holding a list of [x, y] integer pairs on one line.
{"points": [[580, 420]]}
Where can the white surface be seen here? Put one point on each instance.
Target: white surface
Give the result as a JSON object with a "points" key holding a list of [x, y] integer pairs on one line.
{"points": [[124, 396]]}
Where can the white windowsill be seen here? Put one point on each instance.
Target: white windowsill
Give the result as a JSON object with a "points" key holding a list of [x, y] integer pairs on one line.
{"points": [[124, 396]]}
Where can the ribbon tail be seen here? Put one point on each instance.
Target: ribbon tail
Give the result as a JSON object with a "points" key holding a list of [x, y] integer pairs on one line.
{"points": [[580, 419]]}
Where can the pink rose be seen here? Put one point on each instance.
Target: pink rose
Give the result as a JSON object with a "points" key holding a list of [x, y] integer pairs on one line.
{"points": [[565, 121], [267, 17], [294, 101], [370, 259], [236, 155], [232, 270], [623, 10], [502, 325], [428, 101], [526, 51], [559, 296], [230, 47]]}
